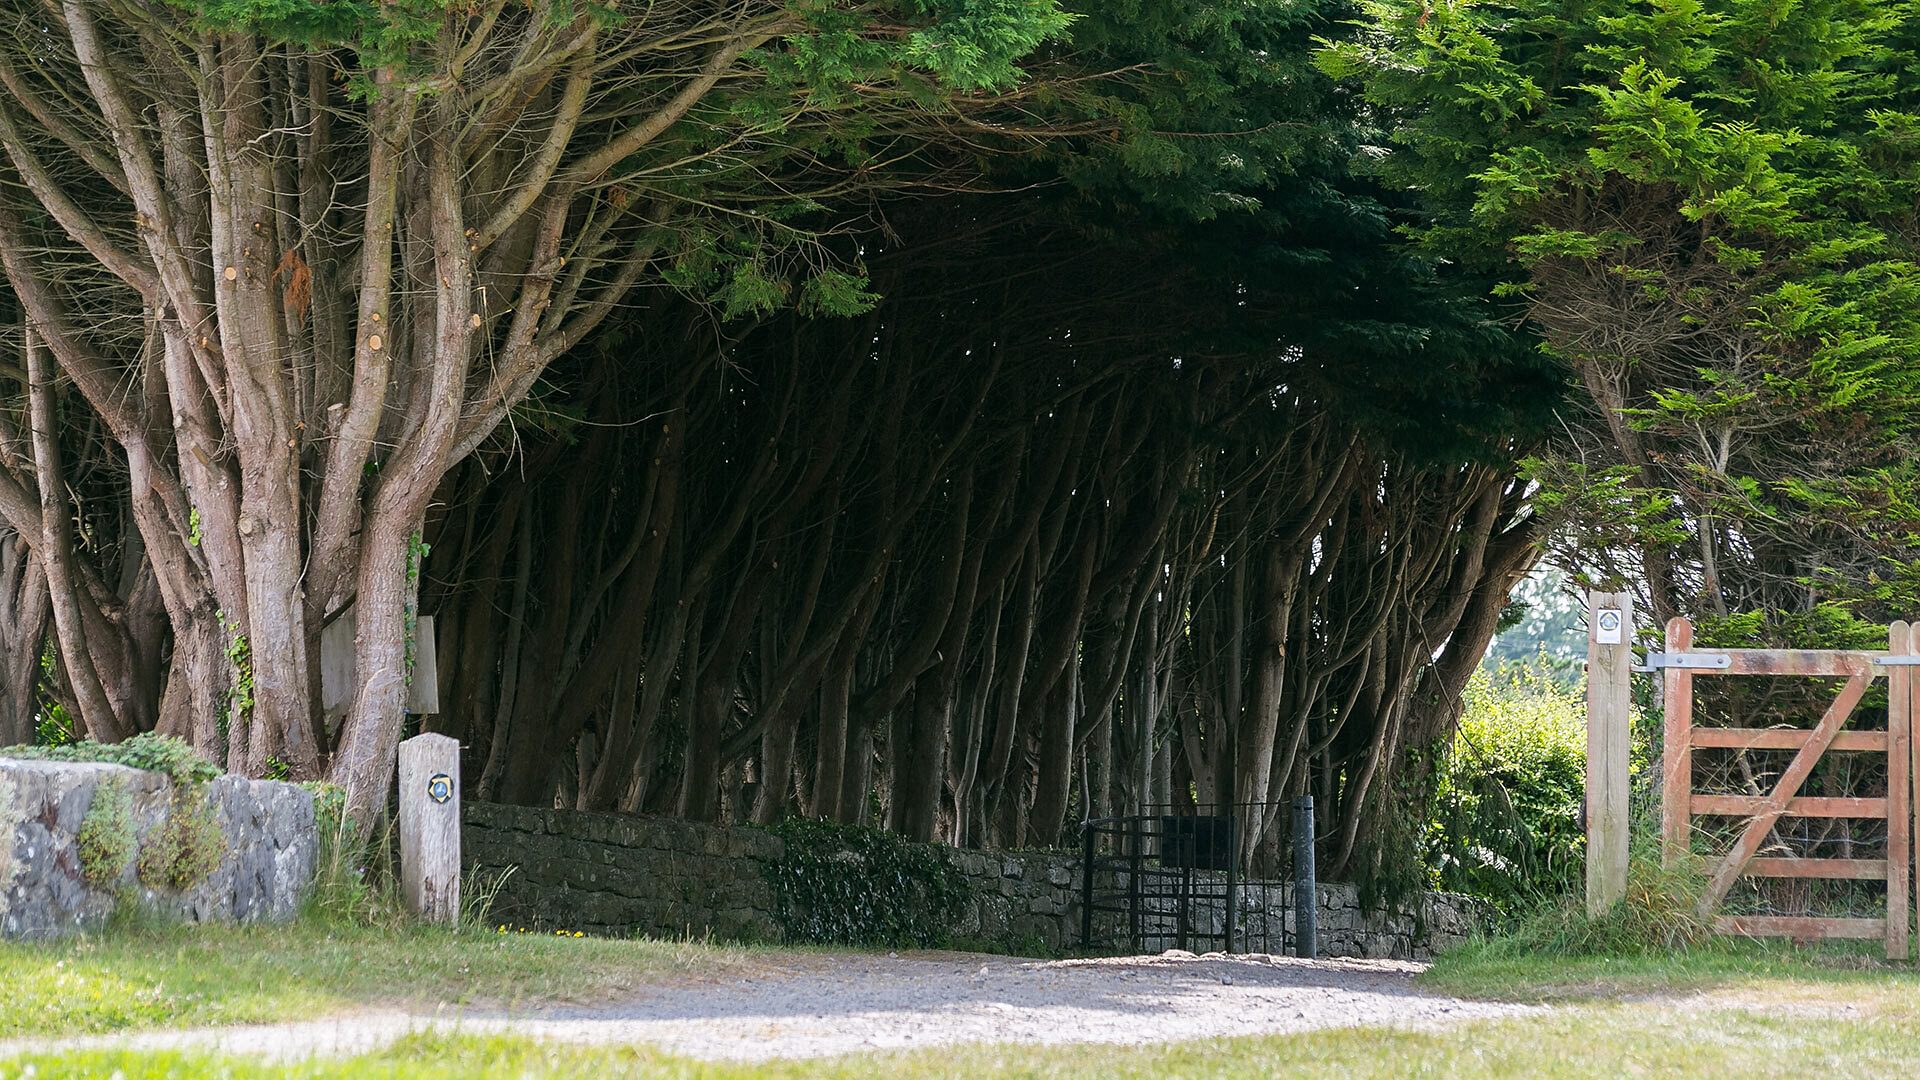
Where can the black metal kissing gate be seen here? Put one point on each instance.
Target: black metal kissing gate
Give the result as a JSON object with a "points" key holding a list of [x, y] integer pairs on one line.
{"points": [[1173, 878]]}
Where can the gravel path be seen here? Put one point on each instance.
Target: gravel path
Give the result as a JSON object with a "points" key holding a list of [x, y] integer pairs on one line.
{"points": [[824, 1005]]}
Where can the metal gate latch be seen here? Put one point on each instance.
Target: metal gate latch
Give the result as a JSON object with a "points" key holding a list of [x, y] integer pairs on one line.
{"points": [[1696, 661]]}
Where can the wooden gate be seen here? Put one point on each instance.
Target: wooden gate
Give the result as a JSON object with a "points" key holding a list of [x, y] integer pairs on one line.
{"points": [[1681, 804]]}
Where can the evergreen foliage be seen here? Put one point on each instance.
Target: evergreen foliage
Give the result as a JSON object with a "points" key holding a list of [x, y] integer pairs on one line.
{"points": [[1707, 208], [851, 885]]}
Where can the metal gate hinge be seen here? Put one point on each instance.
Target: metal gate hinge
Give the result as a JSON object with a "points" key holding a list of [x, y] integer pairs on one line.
{"points": [[1897, 661], [1695, 661]]}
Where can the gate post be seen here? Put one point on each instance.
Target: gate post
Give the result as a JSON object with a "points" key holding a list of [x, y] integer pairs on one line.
{"points": [[1306, 889], [1609, 666]]}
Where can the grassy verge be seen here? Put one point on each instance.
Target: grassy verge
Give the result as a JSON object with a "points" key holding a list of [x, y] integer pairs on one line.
{"points": [[1598, 1041], [1501, 970], [140, 976]]}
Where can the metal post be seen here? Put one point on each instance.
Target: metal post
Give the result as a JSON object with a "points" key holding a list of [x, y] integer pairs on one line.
{"points": [[1232, 819], [1185, 906], [1136, 835], [1086, 886], [1306, 896]]}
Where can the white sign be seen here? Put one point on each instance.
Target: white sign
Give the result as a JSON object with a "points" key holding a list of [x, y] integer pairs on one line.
{"points": [[1607, 626]]}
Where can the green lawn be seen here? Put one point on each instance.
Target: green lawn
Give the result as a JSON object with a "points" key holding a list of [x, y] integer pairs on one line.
{"points": [[143, 977], [1598, 1041], [1731, 1009], [1499, 971]]}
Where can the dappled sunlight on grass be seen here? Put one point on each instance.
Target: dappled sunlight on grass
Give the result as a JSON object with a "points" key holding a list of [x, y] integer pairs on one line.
{"points": [[132, 977]]}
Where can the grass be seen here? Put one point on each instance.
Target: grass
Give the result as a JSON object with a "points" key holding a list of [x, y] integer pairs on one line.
{"points": [[1598, 1041], [1725, 1008], [158, 976], [1501, 970]]}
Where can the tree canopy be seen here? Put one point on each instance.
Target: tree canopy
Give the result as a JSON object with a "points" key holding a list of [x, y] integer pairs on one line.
{"points": [[962, 415], [1707, 210]]}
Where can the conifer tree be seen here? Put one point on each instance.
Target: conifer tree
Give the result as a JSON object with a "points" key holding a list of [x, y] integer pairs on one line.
{"points": [[1706, 207]]}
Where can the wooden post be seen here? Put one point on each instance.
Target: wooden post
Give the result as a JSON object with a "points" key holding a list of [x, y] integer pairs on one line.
{"points": [[1900, 642], [1676, 757], [430, 827], [1609, 698]]}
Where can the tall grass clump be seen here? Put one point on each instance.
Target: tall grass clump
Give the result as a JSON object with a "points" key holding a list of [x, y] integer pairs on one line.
{"points": [[356, 877], [1659, 914]]}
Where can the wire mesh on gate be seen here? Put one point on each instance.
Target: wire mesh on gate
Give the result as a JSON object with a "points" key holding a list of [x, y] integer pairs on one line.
{"points": [[1177, 877]]}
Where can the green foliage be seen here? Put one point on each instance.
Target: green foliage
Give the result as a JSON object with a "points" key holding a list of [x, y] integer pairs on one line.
{"points": [[962, 44], [851, 885], [187, 849], [1706, 207], [148, 750], [1506, 819], [106, 841], [348, 883], [1659, 913], [417, 552], [54, 726], [1542, 628], [383, 30], [240, 655], [1232, 159]]}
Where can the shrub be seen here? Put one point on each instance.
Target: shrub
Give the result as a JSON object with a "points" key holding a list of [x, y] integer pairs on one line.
{"points": [[1506, 819], [851, 885], [105, 840], [188, 848], [150, 751]]}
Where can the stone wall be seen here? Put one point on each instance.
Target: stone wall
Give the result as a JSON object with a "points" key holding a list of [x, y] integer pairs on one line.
{"points": [[660, 877], [1263, 918], [268, 828]]}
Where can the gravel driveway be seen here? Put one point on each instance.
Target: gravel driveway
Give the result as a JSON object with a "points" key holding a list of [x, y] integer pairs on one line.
{"points": [[814, 1006]]}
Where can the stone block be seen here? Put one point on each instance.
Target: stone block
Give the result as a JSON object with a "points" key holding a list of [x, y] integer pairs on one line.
{"points": [[271, 840]]}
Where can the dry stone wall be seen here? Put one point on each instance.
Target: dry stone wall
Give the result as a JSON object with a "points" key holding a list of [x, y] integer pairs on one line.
{"points": [[267, 829], [661, 877]]}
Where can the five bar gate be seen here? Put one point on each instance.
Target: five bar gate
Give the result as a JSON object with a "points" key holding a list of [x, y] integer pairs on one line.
{"points": [[1751, 820]]}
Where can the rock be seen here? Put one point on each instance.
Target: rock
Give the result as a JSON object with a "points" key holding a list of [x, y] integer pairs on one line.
{"points": [[271, 841]]}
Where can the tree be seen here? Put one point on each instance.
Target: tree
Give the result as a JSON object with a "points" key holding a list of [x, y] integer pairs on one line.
{"points": [[1152, 482], [303, 258], [1706, 208]]}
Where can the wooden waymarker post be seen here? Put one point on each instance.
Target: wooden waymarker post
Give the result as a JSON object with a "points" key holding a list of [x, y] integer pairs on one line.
{"points": [[430, 827], [1609, 667]]}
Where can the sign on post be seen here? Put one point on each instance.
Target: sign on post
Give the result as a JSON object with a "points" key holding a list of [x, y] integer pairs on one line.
{"points": [[1609, 693], [430, 827]]}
